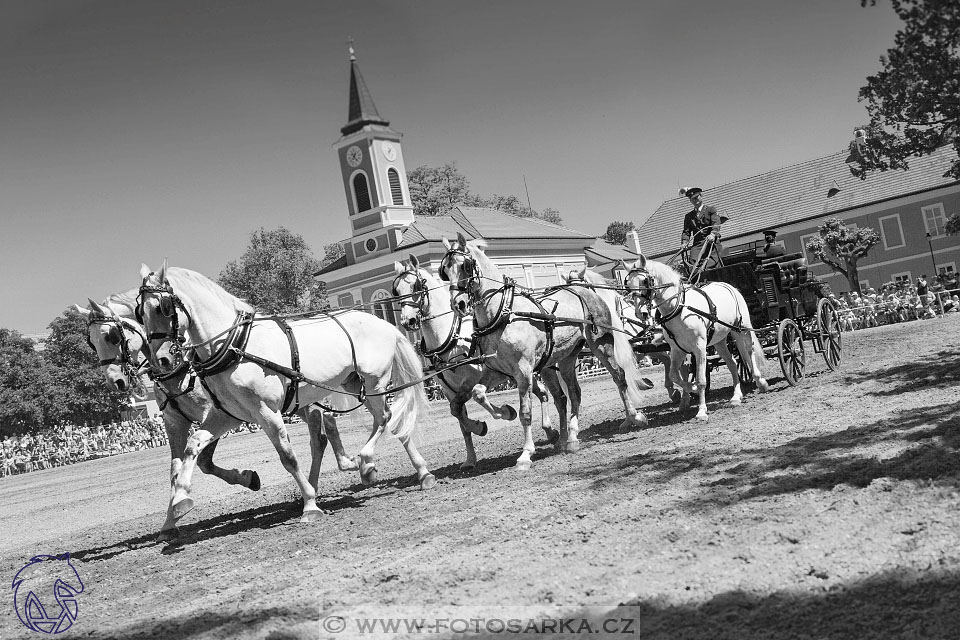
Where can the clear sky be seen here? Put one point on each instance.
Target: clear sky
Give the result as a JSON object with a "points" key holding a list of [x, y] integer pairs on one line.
{"points": [[135, 130]]}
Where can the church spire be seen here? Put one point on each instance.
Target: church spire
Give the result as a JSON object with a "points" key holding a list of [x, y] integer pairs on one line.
{"points": [[363, 111]]}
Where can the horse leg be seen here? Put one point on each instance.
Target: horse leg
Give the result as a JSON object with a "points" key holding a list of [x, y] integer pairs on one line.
{"points": [[177, 431], [313, 416], [568, 373], [273, 425], [524, 382], [750, 351], [553, 436], [551, 378], [246, 478], [181, 502], [702, 380], [479, 395], [368, 468], [672, 392], [679, 371], [724, 352], [459, 411]]}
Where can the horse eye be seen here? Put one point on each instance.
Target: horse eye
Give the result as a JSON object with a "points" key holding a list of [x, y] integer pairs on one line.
{"points": [[113, 336], [166, 306]]}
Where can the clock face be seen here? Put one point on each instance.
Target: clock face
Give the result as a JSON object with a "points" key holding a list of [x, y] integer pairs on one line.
{"points": [[354, 156], [389, 151]]}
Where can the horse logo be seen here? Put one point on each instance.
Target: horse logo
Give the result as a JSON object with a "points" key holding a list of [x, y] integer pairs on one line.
{"points": [[46, 576]]}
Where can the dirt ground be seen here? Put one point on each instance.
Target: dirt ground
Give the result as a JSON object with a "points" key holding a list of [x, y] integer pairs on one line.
{"points": [[827, 510]]}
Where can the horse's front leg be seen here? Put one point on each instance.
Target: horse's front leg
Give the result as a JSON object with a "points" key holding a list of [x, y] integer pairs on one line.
{"points": [[551, 377], [524, 382], [553, 436], [177, 432], [181, 502], [680, 373], [458, 410], [247, 478], [702, 381], [276, 430]]}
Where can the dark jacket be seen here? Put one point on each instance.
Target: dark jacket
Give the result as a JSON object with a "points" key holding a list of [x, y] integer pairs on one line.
{"points": [[697, 225]]}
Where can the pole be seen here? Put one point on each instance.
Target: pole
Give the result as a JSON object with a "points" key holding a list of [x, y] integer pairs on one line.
{"points": [[932, 259], [528, 194]]}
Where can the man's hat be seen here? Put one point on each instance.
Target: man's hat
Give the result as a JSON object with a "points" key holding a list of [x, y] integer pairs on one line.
{"points": [[770, 232], [692, 191]]}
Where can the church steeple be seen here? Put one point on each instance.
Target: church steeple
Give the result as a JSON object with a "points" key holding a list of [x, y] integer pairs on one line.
{"points": [[374, 176], [363, 111]]}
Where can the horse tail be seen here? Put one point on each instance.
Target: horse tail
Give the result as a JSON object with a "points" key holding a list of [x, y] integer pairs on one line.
{"points": [[411, 402]]}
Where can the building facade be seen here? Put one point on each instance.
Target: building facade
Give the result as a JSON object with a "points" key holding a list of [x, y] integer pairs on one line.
{"points": [[908, 209]]}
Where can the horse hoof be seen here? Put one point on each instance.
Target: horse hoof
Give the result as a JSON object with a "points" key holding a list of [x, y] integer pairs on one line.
{"points": [[702, 417], [763, 386], [311, 515], [467, 466], [675, 396], [647, 383], [368, 476], [553, 436], [168, 534], [736, 402], [427, 482], [483, 429], [182, 508], [523, 465], [573, 446], [510, 411], [254, 481]]}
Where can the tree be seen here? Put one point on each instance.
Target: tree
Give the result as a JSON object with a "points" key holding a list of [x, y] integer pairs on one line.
{"points": [[79, 393], [953, 225], [434, 191], [841, 248], [275, 274], [617, 232], [913, 101], [24, 380]]}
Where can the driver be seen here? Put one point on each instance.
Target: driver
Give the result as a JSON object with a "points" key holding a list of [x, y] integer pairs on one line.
{"points": [[700, 227]]}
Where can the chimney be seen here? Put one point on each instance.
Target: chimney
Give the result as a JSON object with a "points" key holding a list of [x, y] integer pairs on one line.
{"points": [[633, 241]]}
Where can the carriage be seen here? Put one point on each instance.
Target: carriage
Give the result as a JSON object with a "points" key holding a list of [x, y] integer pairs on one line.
{"points": [[788, 307]]}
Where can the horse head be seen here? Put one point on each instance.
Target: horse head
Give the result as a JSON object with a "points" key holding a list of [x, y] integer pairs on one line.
{"points": [[410, 286], [164, 317], [119, 345], [459, 267]]}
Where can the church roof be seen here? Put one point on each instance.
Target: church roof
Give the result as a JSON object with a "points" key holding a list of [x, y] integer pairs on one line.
{"points": [[479, 222], [363, 111], [795, 193]]}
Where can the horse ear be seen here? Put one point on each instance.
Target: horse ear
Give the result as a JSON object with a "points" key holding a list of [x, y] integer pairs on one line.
{"points": [[144, 271], [82, 310], [96, 308], [162, 274], [462, 239], [414, 261], [446, 243], [398, 268], [641, 261]]}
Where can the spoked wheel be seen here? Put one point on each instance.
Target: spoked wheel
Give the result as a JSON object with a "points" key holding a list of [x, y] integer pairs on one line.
{"points": [[793, 360], [828, 324]]}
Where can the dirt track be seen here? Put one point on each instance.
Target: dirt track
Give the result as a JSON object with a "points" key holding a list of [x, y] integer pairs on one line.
{"points": [[828, 510]]}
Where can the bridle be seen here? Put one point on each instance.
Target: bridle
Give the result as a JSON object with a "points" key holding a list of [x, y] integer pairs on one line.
{"points": [[645, 285], [168, 304], [470, 271], [418, 296], [116, 336]]}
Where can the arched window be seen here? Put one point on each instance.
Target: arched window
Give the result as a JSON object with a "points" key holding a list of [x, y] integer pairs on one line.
{"points": [[361, 192], [383, 310], [395, 191]]}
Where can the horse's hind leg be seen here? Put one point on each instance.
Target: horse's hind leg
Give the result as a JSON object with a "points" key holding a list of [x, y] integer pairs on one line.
{"points": [[750, 351], [551, 378], [724, 352], [272, 423], [368, 467], [246, 478], [552, 434], [568, 372]]}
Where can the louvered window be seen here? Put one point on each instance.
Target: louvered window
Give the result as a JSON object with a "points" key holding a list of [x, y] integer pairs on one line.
{"points": [[361, 192], [395, 191]]}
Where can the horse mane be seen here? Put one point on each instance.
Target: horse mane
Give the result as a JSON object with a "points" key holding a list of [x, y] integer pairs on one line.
{"points": [[192, 278], [476, 249], [124, 304], [663, 272]]}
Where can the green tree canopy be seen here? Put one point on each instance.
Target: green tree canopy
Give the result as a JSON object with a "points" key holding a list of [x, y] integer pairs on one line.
{"points": [[841, 248], [275, 274], [617, 232], [914, 101]]}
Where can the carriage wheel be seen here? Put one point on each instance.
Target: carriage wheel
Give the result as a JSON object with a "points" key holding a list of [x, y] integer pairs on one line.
{"points": [[828, 324], [790, 349]]}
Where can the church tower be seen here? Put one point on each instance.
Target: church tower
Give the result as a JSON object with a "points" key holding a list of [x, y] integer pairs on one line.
{"points": [[374, 176]]}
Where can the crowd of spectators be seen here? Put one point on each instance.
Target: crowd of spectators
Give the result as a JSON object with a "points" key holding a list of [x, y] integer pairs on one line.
{"points": [[898, 302], [56, 447]]}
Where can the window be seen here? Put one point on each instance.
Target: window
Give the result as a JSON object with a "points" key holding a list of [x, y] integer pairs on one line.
{"points": [[901, 278], [361, 192], [383, 310], [891, 232], [345, 300], [934, 219], [395, 191], [864, 285], [370, 245], [811, 258]]}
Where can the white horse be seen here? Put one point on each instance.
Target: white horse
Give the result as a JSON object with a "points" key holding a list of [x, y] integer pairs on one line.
{"points": [[447, 340], [520, 335], [694, 318], [121, 346], [248, 367]]}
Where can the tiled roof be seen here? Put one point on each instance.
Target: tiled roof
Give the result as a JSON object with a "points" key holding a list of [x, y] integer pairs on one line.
{"points": [[794, 193], [477, 222], [602, 251]]}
